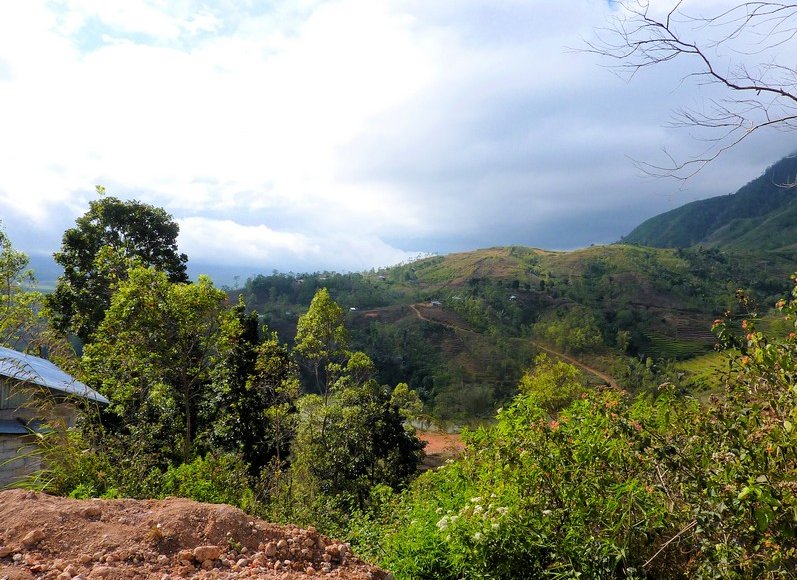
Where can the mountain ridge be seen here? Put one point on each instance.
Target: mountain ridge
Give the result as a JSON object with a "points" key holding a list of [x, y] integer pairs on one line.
{"points": [[761, 215]]}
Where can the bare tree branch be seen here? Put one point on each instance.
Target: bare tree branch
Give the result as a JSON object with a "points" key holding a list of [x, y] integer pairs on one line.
{"points": [[718, 45]]}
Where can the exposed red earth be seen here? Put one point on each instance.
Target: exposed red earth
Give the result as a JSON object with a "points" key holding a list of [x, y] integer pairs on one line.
{"points": [[43, 536]]}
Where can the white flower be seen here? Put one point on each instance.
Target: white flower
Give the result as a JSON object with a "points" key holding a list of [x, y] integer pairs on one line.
{"points": [[443, 523], [477, 537]]}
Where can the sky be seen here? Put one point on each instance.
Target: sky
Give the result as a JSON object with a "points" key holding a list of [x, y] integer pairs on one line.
{"points": [[344, 135]]}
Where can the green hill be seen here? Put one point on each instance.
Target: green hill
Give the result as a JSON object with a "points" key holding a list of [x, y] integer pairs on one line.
{"points": [[461, 328], [762, 215]]}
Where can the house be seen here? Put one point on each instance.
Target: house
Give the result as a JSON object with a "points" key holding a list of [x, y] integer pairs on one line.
{"points": [[24, 380]]}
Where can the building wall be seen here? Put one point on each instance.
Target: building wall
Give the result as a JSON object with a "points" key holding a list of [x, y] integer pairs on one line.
{"points": [[17, 459], [17, 452]]}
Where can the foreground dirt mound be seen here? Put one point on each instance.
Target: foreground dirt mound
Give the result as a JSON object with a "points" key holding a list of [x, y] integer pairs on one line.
{"points": [[42, 536]]}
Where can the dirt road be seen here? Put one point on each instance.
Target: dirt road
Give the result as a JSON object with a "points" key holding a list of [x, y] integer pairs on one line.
{"points": [[575, 362]]}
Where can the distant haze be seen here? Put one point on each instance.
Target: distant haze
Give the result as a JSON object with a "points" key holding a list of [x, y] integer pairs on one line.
{"points": [[342, 135]]}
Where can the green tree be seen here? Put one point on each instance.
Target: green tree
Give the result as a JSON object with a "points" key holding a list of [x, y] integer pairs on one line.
{"points": [[352, 440], [135, 230], [250, 410], [19, 303], [552, 383], [153, 355], [321, 338]]}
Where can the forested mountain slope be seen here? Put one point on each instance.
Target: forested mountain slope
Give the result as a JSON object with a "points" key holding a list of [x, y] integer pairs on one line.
{"points": [[762, 215]]}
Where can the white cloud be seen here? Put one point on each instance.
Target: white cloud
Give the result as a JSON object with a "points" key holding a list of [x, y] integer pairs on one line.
{"points": [[229, 243], [357, 130]]}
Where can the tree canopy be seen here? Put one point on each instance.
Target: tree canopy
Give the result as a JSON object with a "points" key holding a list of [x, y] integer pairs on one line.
{"points": [[135, 231], [153, 355]]}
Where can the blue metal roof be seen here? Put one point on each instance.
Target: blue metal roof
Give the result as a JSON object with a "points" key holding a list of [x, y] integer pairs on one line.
{"points": [[32, 369], [12, 427]]}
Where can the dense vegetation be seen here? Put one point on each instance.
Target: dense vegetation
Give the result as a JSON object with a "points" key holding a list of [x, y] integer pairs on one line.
{"points": [[605, 485], [295, 400]]}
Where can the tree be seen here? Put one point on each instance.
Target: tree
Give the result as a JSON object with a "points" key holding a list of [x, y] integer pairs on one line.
{"points": [[136, 231], [321, 338], [19, 303], [353, 439], [553, 384], [251, 408], [646, 34], [153, 355]]}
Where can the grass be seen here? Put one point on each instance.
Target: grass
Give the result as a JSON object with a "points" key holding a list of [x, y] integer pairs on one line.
{"points": [[670, 348], [706, 369]]}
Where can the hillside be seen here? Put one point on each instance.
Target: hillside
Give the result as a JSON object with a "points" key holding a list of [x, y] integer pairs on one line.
{"points": [[460, 329], [762, 215]]}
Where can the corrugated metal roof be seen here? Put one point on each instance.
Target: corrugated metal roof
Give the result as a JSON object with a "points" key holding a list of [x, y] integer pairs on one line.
{"points": [[18, 427], [12, 427], [32, 369]]}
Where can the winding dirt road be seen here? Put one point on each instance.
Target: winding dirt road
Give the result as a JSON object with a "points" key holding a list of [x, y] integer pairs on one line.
{"points": [[575, 362]]}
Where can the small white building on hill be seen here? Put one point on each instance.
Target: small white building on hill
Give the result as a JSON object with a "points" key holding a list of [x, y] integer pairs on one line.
{"points": [[24, 381]]}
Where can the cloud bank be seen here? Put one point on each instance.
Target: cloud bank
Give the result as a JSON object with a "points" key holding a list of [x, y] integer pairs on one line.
{"points": [[341, 134]]}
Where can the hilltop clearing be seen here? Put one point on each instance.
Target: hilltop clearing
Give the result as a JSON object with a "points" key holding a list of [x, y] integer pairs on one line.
{"points": [[43, 536]]}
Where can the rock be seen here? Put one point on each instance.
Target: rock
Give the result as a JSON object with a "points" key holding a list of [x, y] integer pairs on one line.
{"points": [[202, 553], [84, 559], [310, 571], [163, 559], [63, 576], [33, 538], [185, 556], [308, 542], [242, 563], [101, 572], [270, 550], [5, 551], [207, 564], [282, 544], [92, 511]]}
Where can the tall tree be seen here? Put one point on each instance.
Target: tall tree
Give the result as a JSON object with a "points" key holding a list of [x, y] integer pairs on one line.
{"points": [[134, 230], [251, 407], [353, 439], [153, 355], [321, 338]]}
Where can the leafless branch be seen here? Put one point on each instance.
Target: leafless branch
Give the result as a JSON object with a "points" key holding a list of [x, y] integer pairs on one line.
{"points": [[761, 97]]}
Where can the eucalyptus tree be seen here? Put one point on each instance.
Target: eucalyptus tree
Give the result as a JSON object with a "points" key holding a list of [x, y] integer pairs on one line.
{"points": [[321, 338]]}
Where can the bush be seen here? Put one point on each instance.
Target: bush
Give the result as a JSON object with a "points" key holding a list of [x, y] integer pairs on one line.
{"points": [[210, 479], [659, 485]]}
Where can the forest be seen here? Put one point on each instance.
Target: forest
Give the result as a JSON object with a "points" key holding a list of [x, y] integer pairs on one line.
{"points": [[562, 476]]}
